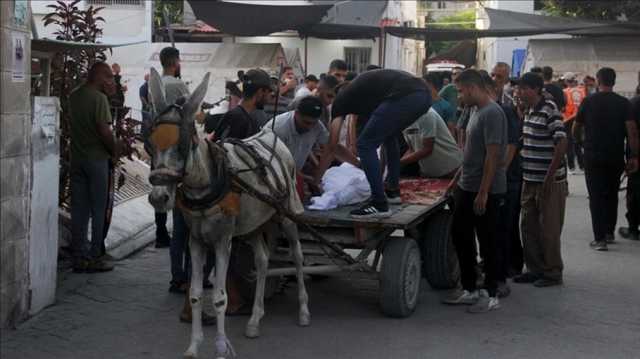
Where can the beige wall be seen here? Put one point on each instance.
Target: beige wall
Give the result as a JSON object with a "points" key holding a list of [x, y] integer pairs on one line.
{"points": [[15, 174]]}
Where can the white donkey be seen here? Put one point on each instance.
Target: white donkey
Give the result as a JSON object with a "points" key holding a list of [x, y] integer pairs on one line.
{"points": [[214, 212]]}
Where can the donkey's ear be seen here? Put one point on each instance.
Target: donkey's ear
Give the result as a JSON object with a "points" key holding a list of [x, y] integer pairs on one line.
{"points": [[193, 103], [157, 91]]}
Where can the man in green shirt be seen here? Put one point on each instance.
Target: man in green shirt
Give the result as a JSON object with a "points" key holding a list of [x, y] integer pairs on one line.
{"points": [[92, 147]]}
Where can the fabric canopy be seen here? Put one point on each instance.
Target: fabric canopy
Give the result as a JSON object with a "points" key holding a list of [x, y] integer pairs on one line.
{"points": [[251, 19], [504, 23]]}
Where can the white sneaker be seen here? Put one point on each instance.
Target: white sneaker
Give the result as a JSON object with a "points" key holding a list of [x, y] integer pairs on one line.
{"points": [[462, 298], [484, 305]]}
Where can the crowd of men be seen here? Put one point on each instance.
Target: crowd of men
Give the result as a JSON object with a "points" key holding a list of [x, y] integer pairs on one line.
{"points": [[507, 145]]}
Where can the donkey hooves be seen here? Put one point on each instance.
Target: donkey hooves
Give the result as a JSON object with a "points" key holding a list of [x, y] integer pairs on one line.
{"points": [[305, 320], [252, 332], [190, 355]]}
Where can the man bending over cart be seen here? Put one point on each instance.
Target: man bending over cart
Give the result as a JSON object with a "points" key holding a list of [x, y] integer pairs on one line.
{"points": [[391, 100]]}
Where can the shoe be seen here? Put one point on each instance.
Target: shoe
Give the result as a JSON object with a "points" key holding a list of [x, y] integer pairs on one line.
{"points": [[572, 171], [92, 266], [372, 210], [462, 298], [207, 320], [610, 239], [178, 287], [526, 277], [627, 233], [484, 305], [503, 290], [599, 246], [393, 196], [547, 282], [162, 239]]}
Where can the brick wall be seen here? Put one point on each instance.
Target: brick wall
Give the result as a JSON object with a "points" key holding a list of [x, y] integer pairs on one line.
{"points": [[15, 173]]}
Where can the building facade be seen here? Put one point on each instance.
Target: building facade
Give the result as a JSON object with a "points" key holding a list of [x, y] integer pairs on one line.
{"points": [[15, 162]]}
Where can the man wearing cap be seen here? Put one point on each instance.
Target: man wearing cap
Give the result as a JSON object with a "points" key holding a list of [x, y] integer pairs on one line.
{"points": [[257, 87], [573, 95], [301, 130], [392, 100], [545, 187]]}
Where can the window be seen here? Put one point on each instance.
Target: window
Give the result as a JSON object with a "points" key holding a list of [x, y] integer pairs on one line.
{"points": [[357, 58], [442, 5], [139, 3]]}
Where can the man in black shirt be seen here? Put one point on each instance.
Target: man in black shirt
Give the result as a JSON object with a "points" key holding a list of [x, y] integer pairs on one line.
{"points": [[606, 118], [633, 188], [552, 89], [257, 88], [391, 100]]}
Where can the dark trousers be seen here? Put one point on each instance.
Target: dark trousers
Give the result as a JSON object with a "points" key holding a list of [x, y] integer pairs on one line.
{"points": [[513, 258], [386, 122], [574, 148], [89, 195], [633, 201], [179, 251], [161, 225], [490, 231], [603, 184]]}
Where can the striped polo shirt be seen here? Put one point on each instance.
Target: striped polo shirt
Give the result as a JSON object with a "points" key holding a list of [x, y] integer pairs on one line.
{"points": [[543, 128]]}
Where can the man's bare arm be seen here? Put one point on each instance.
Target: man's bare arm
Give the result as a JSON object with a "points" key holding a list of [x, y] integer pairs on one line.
{"points": [[426, 151], [491, 162], [330, 148], [632, 139], [511, 154], [106, 136], [559, 151]]}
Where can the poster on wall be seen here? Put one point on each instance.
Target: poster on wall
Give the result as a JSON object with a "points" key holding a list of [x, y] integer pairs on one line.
{"points": [[20, 12], [18, 54]]}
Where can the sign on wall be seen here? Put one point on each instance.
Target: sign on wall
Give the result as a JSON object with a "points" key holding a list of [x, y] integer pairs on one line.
{"points": [[20, 12], [18, 55]]}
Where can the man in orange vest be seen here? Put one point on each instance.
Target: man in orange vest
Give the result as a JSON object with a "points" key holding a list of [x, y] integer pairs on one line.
{"points": [[573, 95]]}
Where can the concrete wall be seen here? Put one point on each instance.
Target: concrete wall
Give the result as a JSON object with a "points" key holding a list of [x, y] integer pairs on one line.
{"points": [[15, 174]]}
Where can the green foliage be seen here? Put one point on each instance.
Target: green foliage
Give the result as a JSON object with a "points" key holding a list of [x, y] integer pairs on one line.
{"points": [[460, 20], [174, 8], [594, 9]]}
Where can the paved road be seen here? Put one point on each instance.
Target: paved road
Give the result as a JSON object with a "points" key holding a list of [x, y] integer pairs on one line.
{"points": [[129, 314]]}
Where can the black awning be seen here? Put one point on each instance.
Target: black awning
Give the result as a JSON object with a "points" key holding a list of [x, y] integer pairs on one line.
{"points": [[250, 19], [340, 31]]}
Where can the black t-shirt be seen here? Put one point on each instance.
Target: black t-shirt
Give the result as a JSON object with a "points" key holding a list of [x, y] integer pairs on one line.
{"points": [[603, 115], [558, 95], [514, 172], [238, 123], [369, 89]]}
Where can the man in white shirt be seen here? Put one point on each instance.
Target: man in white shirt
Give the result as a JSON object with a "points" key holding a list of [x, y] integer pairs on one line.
{"points": [[309, 86]]}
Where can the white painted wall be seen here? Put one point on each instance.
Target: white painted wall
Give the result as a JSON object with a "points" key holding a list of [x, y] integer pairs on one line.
{"points": [[492, 50], [320, 52], [123, 23]]}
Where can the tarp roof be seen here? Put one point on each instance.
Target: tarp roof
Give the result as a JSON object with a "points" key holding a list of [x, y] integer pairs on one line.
{"points": [[504, 23], [255, 19]]}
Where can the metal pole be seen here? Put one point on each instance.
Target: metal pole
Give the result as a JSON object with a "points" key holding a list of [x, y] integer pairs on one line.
{"points": [[306, 56], [384, 49]]}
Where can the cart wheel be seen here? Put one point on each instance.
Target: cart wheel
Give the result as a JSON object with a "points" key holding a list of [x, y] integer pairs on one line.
{"points": [[440, 262], [400, 277]]}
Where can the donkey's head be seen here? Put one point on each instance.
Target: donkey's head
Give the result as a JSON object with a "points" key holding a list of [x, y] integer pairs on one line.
{"points": [[172, 138]]}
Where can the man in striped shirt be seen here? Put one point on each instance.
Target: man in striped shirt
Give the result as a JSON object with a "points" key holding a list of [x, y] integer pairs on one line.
{"points": [[545, 184]]}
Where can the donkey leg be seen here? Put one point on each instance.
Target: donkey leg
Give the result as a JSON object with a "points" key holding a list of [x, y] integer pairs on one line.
{"points": [[291, 230], [261, 256], [195, 297], [220, 300]]}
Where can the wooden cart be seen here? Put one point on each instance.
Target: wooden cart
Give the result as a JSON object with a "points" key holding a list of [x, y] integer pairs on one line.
{"points": [[398, 250]]}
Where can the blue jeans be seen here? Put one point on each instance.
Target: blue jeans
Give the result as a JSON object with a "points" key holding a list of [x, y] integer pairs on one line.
{"points": [[89, 197], [387, 122], [179, 251]]}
